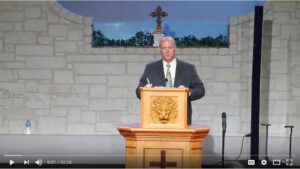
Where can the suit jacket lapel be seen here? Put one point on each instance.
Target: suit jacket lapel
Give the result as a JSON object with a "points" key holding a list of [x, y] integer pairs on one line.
{"points": [[178, 73], [161, 72]]}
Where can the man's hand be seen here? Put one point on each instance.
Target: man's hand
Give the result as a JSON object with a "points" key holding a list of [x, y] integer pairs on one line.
{"points": [[148, 85], [181, 86]]}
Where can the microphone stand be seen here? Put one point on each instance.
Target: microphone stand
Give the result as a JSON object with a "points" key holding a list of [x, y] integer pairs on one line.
{"points": [[290, 161], [223, 135], [266, 146], [223, 146]]}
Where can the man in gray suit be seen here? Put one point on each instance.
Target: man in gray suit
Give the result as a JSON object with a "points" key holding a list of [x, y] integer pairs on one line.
{"points": [[172, 72]]}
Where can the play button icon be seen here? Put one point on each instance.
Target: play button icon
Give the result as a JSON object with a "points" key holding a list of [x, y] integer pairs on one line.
{"points": [[11, 162]]}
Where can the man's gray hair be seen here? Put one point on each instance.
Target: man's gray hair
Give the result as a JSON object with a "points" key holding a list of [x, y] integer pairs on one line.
{"points": [[167, 38]]}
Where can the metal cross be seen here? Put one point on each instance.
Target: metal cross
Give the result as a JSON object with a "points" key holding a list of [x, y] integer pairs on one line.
{"points": [[158, 13]]}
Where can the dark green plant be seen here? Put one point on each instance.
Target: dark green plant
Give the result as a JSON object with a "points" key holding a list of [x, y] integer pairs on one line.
{"points": [[146, 39]]}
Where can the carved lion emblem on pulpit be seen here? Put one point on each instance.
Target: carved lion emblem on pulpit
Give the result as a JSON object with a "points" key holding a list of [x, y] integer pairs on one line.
{"points": [[163, 110]]}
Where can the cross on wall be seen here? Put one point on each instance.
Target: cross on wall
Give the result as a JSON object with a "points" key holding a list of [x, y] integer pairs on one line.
{"points": [[159, 14]]}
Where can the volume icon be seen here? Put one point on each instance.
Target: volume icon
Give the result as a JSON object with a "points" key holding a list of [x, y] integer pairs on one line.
{"points": [[39, 162]]}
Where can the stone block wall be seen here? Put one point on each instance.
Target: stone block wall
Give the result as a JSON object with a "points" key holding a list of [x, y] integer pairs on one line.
{"points": [[37, 80], [281, 65], [50, 74]]}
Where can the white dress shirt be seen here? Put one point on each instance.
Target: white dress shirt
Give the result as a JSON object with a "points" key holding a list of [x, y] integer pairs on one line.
{"points": [[173, 64]]}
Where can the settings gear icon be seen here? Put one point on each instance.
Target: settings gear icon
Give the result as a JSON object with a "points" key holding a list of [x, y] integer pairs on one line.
{"points": [[263, 162]]}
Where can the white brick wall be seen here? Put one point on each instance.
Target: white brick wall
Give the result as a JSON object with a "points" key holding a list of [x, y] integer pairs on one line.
{"points": [[46, 62], [63, 76], [99, 68], [37, 101], [35, 74], [49, 70], [34, 50]]}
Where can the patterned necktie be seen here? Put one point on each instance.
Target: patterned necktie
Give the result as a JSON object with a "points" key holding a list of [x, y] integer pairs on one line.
{"points": [[168, 76]]}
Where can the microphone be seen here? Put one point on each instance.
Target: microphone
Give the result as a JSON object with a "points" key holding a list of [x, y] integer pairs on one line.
{"points": [[224, 121], [166, 79]]}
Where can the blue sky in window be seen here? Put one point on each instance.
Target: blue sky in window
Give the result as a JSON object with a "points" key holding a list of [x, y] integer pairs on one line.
{"points": [[122, 19]]}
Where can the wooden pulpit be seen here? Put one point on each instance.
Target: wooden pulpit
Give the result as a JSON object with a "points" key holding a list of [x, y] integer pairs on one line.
{"points": [[163, 139]]}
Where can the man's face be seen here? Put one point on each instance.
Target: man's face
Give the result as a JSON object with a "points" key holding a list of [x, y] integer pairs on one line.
{"points": [[167, 50]]}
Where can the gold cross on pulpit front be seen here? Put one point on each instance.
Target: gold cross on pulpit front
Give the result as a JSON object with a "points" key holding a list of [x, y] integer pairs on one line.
{"points": [[158, 13], [163, 162]]}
